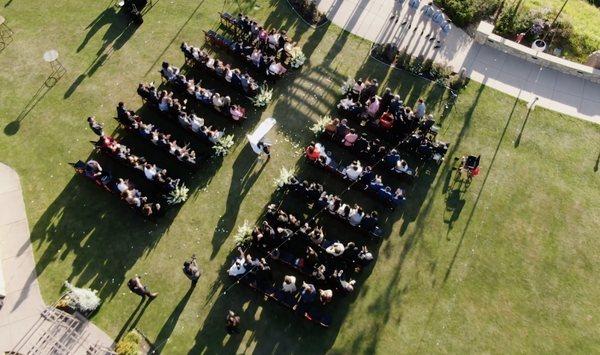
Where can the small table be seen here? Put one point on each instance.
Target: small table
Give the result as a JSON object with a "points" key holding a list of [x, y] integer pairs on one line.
{"points": [[51, 56]]}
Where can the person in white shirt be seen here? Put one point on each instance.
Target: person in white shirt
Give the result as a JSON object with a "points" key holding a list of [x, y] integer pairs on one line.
{"points": [[289, 284], [353, 171], [336, 249], [196, 122], [402, 166], [123, 185], [356, 216], [150, 171]]}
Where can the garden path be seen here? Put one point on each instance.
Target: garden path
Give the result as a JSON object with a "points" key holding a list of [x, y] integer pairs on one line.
{"points": [[371, 19], [20, 318]]}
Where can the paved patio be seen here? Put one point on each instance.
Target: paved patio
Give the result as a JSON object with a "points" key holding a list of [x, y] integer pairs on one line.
{"points": [[557, 91], [20, 317]]}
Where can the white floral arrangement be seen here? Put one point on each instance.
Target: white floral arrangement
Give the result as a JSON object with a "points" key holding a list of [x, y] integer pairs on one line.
{"points": [[298, 58], [223, 145], [178, 195], [243, 236], [82, 299], [348, 85], [264, 96], [285, 177], [319, 126]]}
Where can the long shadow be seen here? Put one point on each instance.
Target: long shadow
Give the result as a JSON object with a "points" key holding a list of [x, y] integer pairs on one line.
{"points": [[119, 32], [129, 324], [167, 328], [597, 162], [474, 208], [518, 140], [243, 178], [162, 53], [14, 126]]}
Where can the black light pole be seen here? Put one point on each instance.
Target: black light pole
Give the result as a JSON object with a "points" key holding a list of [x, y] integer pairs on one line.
{"points": [[555, 19]]}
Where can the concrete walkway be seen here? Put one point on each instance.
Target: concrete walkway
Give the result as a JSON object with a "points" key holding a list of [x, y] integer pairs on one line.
{"points": [[23, 305], [370, 19]]}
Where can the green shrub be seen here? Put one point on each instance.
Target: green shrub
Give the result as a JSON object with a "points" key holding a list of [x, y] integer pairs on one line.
{"points": [[129, 344], [466, 12]]}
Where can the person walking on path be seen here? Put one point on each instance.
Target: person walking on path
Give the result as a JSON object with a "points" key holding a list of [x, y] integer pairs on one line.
{"points": [[191, 270], [232, 322], [135, 285]]}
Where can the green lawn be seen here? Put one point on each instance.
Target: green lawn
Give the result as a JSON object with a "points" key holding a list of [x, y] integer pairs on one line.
{"points": [[508, 264]]}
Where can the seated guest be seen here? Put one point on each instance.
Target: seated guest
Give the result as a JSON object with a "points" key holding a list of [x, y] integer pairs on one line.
{"points": [[344, 285], [256, 57], [236, 112], [331, 127], [168, 71], [217, 102], [325, 296], [316, 236], [307, 296], [123, 114], [353, 171], [356, 216], [357, 88], [289, 284], [93, 169], [373, 106], [319, 272], [402, 167], [392, 158], [150, 171], [312, 153], [386, 99], [123, 185], [238, 268], [350, 138], [369, 222], [386, 121], [342, 129], [362, 144], [276, 68], [370, 91], [335, 249]]}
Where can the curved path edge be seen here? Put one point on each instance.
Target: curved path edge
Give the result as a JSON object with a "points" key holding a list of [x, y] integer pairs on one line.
{"points": [[555, 90], [23, 303]]}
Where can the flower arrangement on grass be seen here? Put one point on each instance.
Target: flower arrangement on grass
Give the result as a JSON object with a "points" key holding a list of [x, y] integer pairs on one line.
{"points": [[178, 195], [285, 176], [84, 300], [348, 85], [223, 145], [243, 236], [319, 126], [264, 96], [298, 58]]}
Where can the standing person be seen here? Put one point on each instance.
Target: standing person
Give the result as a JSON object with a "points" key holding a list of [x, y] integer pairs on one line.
{"points": [[96, 127], [191, 270], [265, 148], [420, 109], [232, 322], [135, 285]]}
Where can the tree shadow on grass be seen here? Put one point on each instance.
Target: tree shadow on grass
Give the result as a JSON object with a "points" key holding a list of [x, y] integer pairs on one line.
{"points": [[243, 178], [119, 32], [171, 322]]}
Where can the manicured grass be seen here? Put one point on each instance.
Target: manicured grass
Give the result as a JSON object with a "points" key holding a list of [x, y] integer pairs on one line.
{"points": [[507, 264]]}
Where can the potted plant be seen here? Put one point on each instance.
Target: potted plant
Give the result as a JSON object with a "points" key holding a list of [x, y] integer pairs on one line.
{"points": [[77, 299]]}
